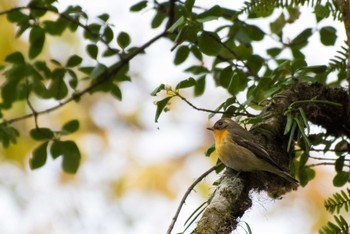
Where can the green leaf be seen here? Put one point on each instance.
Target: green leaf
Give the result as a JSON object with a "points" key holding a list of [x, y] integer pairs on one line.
{"points": [[321, 11], [42, 67], [123, 40], [339, 163], [341, 178], [58, 88], [317, 69], [116, 92], [273, 52], [104, 17], [55, 28], [196, 70], [73, 82], [199, 86], [328, 36], [71, 157], [158, 19], [291, 135], [8, 135], [305, 120], [92, 50], [36, 39], [298, 64], [110, 52], [249, 33], [277, 26], [181, 54], [209, 43], [210, 150], [39, 156], [98, 70], [180, 22], [74, 61], [289, 123], [93, 32], [305, 175], [225, 77], [138, 6], [303, 159], [56, 149], [17, 16], [15, 58], [189, 5], [160, 107], [86, 70], [211, 14], [301, 130], [71, 126], [70, 152], [40, 134], [157, 90], [186, 83], [108, 34], [302, 39], [255, 63], [196, 52]]}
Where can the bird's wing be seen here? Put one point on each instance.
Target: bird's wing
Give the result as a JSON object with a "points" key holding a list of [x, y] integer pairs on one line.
{"points": [[256, 148]]}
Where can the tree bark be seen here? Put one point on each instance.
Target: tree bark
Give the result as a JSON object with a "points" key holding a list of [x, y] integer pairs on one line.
{"points": [[231, 199]]}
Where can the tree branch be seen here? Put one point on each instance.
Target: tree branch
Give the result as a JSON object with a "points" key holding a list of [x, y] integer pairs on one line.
{"points": [[102, 80], [188, 191], [211, 111]]}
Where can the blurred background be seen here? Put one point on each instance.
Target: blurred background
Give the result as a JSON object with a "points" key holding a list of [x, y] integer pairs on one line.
{"points": [[134, 171]]}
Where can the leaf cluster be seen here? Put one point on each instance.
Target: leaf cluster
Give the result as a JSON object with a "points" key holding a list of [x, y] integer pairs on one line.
{"points": [[28, 77], [339, 200]]}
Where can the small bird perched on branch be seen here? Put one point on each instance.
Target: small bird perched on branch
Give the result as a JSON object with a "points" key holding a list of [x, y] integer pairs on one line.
{"points": [[238, 149]]}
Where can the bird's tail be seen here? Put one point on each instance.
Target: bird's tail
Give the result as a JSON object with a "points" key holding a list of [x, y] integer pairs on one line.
{"points": [[287, 176]]}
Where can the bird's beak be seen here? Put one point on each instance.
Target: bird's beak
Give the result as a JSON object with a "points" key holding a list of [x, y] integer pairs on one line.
{"points": [[211, 129]]}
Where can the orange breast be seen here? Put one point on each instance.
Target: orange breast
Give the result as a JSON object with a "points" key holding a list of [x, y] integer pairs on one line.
{"points": [[220, 136]]}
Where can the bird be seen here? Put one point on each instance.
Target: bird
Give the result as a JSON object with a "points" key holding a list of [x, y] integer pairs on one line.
{"points": [[239, 149]]}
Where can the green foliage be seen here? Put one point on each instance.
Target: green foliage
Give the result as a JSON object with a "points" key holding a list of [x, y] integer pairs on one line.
{"points": [[210, 150], [138, 6], [71, 126], [41, 134], [328, 35], [123, 40], [70, 153], [161, 107], [340, 226], [339, 200], [39, 156], [209, 43], [8, 135]]}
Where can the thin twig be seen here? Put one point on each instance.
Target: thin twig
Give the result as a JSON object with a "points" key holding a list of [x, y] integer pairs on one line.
{"points": [[210, 111], [324, 164], [326, 159], [188, 191]]}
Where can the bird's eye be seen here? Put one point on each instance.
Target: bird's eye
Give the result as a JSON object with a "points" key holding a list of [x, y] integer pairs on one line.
{"points": [[220, 123]]}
